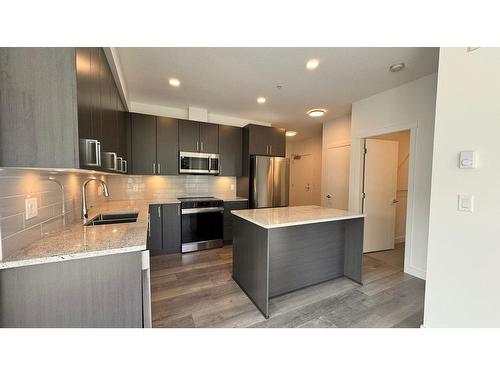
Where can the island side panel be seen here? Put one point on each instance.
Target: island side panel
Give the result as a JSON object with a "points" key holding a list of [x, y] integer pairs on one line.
{"points": [[250, 261], [303, 255], [96, 292], [353, 263]]}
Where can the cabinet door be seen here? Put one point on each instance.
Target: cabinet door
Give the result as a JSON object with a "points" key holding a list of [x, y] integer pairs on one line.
{"points": [[258, 140], [167, 151], [155, 237], [143, 130], [228, 218], [230, 150], [171, 228], [209, 138], [109, 138], [83, 92], [189, 136], [95, 78], [277, 142]]}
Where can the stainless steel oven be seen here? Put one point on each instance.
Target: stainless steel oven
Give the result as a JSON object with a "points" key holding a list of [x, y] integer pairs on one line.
{"points": [[198, 163], [201, 223]]}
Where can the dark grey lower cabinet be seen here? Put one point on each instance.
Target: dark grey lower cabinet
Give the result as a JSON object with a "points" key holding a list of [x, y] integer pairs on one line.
{"points": [[228, 218], [98, 292], [164, 229], [155, 232], [171, 228]]}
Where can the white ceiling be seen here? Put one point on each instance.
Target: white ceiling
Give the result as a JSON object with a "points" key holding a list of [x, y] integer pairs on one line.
{"points": [[228, 80]]}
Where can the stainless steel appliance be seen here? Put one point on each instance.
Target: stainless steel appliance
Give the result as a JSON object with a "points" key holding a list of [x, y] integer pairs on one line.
{"points": [[201, 223], [269, 181], [90, 153], [198, 163]]}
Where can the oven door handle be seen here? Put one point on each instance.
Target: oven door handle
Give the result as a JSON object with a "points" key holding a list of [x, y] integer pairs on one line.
{"points": [[187, 211]]}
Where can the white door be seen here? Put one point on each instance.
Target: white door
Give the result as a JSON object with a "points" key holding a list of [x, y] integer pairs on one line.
{"points": [[380, 185], [301, 184], [337, 177]]}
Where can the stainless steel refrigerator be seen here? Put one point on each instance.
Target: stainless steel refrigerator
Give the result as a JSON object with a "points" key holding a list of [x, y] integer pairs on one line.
{"points": [[269, 181]]}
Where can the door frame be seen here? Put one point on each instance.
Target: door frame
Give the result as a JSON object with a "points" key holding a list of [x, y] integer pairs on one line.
{"points": [[356, 203]]}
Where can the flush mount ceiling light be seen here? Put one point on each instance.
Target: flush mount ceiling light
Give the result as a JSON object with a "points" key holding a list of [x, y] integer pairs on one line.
{"points": [[317, 112], [174, 82], [397, 67], [261, 100], [290, 133], [312, 64]]}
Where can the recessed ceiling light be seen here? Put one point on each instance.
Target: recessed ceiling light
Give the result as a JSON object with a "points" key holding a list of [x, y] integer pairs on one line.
{"points": [[397, 67], [174, 82], [261, 100], [312, 64], [290, 133], [317, 112]]}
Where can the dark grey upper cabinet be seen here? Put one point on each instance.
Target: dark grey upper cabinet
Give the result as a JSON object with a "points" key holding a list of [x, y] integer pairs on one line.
{"points": [[277, 142], [143, 140], [189, 136], [171, 216], [167, 151], [195, 136], [266, 140], [209, 138], [38, 110], [230, 150]]}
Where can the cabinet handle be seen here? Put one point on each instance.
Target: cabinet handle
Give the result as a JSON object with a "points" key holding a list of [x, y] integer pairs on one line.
{"points": [[201, 146], [159, 211], [159, 168], [154, 168], [178, 210], [149, 225], [270, 149], [197, 146]]}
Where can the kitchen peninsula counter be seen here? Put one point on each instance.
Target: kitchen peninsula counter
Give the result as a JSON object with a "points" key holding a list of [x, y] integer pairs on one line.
{"points": [[279, 250]]}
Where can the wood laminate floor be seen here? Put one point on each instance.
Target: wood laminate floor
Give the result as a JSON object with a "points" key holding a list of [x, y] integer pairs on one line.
{"points": [[196, 290]]}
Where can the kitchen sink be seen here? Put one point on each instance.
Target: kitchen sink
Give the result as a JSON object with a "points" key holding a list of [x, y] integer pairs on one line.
{"points": [[113, 218]]}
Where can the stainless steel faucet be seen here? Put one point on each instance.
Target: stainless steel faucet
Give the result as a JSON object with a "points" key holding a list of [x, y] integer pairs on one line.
{"points": [[63, 204], [85, 210]]}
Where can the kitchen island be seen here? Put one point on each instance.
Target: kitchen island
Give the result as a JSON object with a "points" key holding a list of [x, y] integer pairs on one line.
{"points": [[279, 250]]}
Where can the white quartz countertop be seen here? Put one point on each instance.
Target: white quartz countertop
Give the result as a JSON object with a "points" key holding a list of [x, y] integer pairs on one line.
{"points": [[296, 215]]}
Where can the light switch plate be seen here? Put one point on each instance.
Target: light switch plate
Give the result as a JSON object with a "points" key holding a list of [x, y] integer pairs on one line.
{"points": [[466, 202], [31, 208]]}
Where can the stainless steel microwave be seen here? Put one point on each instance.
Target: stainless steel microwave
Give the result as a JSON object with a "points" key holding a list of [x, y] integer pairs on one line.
{"points": [[198, 163]]}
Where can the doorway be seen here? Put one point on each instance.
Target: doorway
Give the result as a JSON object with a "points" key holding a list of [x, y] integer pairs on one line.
{"points": [[301, 180], [337, 176], [385, 191]]}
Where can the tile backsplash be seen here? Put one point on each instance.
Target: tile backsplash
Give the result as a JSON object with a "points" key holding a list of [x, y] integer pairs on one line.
{"points": [[16, 185]]}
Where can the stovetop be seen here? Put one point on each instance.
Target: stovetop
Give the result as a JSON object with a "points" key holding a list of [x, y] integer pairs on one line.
{"points": [[197, 199]]}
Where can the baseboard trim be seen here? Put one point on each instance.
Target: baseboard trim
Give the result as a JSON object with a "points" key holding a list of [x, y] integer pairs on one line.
{"points": [[414, 272]]}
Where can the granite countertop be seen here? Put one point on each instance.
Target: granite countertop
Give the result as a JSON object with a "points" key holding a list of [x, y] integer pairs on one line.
{"points": [[75, 240], [288, 216]]}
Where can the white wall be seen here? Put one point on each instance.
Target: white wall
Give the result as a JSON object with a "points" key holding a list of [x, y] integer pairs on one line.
{"points": [[182, 113], [411, 105], [310, 146], [463, 280], [336, 132]]}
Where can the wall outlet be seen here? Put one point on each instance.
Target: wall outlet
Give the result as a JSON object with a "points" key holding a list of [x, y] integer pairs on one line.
{"points": [[135, 188], [232, 187], [31, 208]]}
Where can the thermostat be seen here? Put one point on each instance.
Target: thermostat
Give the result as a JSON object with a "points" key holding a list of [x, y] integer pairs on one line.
{"points": [[467, 159]]}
